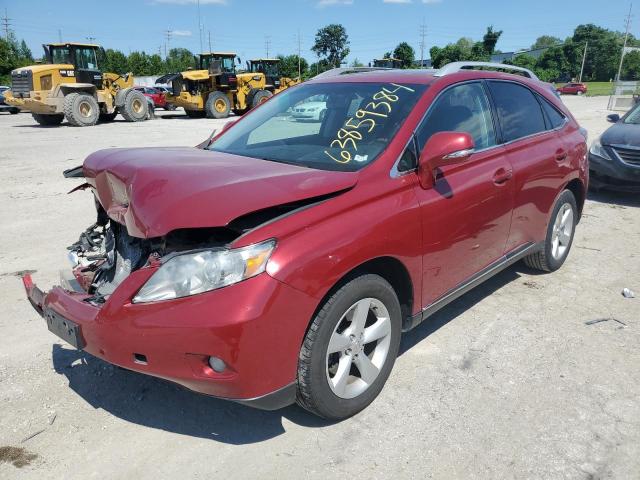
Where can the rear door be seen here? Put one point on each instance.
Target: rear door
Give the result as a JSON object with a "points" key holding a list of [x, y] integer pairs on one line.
{"points": [[537, 155], [466, 216]]}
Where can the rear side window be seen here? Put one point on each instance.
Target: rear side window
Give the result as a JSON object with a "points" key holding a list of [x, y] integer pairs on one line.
{"points": [[519, 112], [462, 108], [556, 119]]}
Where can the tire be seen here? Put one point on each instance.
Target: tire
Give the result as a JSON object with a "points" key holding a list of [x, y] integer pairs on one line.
{"points": [[169, 107], [256, 97], [48, 120], [195, 113], [217, 105], [551, 258], [81, 109], [13, 111], [319, 389], [107, 117], [135, 108]]}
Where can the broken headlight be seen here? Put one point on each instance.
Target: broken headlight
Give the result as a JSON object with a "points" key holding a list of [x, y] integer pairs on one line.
{"points": [[196, 272]]}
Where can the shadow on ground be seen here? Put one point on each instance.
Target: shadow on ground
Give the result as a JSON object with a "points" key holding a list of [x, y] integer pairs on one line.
{"points": [[615, 198]]}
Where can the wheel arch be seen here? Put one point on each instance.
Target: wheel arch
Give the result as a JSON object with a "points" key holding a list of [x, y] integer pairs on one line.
{"points": [[391, 269], [68, 88], [578, 189]]}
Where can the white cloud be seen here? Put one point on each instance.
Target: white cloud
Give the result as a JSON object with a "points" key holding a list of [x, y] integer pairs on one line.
{"points": [[328, 3], [431, 2], [181, 33], [190, 2], [396, 1]]}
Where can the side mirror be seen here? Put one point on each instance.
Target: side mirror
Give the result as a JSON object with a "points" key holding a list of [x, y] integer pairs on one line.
{"points": [[443, 148], [613, 118]]}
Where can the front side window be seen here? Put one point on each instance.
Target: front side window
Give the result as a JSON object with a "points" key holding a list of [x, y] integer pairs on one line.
{"points": [[462, 108], [86, 58], [328, 126], [60, 55], [518, 110], [633, 117]]}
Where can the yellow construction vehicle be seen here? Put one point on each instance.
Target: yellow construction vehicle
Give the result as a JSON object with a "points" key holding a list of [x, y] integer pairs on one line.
{"points": [[71, 85], [215, 88], [387, 63], [275, 83]]}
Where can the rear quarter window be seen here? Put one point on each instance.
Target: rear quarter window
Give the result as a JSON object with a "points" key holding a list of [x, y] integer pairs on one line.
{"points": [[556, 119], [519, 113]]}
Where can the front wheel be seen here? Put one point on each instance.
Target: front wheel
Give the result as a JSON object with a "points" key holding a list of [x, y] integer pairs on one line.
{"points": [[81, 109], [47, 120], [13, 111], [217, 105], [350, 348], [135, 108], [560, 232]]}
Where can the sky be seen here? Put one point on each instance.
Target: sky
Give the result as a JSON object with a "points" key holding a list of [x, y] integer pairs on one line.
{"points": [[248, 27]]}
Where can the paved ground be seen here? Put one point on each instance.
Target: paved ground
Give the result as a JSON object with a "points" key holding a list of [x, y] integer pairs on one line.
{"points": [[528, 376]]}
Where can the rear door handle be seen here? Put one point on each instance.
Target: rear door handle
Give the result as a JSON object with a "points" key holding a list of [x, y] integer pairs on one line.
{"points": [[560, 155], [502, 175]]}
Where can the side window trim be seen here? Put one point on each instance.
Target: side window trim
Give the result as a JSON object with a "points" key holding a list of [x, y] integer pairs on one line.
{"points": [[395, 172]]}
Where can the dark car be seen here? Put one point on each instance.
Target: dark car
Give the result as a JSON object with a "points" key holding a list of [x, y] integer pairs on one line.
{"points": [[614, 158], [281, 261], [573, 88], [3, 106]]}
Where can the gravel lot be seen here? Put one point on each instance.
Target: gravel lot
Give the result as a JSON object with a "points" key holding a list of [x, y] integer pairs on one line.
{"points": [[528, 376]]}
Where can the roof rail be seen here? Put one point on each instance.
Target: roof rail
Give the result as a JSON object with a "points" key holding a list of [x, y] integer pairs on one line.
{"points": [[334, 72], [454, 67]]}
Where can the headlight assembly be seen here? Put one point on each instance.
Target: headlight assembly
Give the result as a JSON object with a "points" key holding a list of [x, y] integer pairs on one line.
{"points": [[598, 150], [196, 272]]}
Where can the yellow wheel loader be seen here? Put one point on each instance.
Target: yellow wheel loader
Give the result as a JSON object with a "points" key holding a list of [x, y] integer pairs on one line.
{"points": [[71, 85], [275, 83], [215, 88], [387, 63]]}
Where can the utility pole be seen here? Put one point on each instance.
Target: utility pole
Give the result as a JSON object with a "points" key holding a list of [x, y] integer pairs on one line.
{"points": [[423, 34], [167, 34], [90, 39], [199, 26], [626, 36], [60, 35], [6, 24], [584, 57], [299, 59], [267, 44], [210, 49]]}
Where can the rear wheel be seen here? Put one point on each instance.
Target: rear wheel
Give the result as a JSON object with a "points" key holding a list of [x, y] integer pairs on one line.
{"points": [[48, 120], [135, 108], [560, 231], [81, 109], [218, 105], [195, 113], [13, 111], [259, 96], [350, 348]]}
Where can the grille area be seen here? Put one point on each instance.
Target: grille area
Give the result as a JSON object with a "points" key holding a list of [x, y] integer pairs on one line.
{"points": [[630, 156], [21, 83]]}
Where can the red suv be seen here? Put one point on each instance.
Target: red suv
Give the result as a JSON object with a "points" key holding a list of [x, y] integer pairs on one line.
{"points": [[157, 96], [281, 261], [573, 89]]}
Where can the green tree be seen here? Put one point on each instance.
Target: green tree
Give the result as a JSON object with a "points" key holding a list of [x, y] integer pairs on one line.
{"points": [[631, 66], [320, 66], [332, 43], [545, 41], [179, 60], [115, 62], [356, 63], [156, 65], [24, 52], [603, 52], [289, 66], [387, 55], [490, 39], [405, 53], [138, 63]]}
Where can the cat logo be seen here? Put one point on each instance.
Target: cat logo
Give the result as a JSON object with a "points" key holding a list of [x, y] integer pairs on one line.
{"points": [[67, 73]]}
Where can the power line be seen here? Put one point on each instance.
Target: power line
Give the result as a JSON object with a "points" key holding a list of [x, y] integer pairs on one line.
{"points": [[6, 24], [199, 26], [423, 34], [267, 44], [167, 34], [624, 45], [210, 49]]}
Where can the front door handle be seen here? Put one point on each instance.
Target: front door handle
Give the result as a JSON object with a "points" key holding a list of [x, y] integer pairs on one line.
{"points": [[502, 175]]}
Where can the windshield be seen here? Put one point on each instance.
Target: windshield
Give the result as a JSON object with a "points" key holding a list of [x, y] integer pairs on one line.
{"points": [[328, 126], [633, 117], [86, 58], [226, 63], [60, 55], [270, 69]]}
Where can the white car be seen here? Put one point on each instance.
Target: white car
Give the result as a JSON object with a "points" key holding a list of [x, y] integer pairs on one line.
{"points": [[310, 111]]}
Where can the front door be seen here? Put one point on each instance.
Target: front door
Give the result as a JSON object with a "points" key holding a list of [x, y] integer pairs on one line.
{"points": [[467, 214]]}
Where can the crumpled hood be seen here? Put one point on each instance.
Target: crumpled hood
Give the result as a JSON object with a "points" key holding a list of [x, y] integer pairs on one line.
{"points": [[156, 190]]}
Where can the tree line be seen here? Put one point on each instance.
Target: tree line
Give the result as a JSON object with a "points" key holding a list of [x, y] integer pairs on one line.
{"points": [[561, 61]]}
